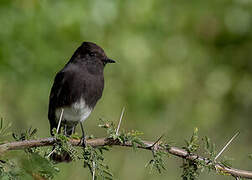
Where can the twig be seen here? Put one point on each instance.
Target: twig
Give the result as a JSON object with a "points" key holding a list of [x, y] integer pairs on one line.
{"points": [[61, 115], [223, 149], [157, 140], [105, 142], [93, 171], [119, 124]]}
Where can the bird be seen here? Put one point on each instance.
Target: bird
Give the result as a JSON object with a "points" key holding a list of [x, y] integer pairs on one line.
{"points": [[76, 89]]}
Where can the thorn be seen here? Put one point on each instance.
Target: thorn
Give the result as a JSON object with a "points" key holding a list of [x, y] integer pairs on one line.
{"points": [[61, 115], [48, 156], [93, 171], [119, 124], [157, 141], [223, 149], [236, 177]]}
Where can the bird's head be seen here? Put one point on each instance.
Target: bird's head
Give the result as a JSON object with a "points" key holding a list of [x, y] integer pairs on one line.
{"points": [[91, 52]]}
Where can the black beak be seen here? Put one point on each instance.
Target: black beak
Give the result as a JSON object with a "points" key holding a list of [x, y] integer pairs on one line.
{"points": [[109, 60]]}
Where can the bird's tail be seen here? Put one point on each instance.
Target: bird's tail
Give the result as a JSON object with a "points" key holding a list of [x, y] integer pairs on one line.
{"points": [[63, 157]]}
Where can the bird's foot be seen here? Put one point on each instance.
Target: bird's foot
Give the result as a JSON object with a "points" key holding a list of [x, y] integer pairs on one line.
{"points": [[83, 142]]}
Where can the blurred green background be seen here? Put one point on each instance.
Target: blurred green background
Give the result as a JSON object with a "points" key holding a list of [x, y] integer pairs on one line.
{"points": [[180, 65]]}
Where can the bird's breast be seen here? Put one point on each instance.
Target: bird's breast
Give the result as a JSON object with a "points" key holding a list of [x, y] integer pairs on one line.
{"points": [[77, 111]]}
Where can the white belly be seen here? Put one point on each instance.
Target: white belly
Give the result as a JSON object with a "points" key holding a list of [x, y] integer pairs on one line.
{"points": [[78, 112]]}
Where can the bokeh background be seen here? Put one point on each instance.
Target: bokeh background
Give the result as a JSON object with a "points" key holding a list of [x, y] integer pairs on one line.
{"points": [[180, 65]]}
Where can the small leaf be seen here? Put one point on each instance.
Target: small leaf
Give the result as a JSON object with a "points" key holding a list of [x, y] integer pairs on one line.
{"points": [[250, 156]]}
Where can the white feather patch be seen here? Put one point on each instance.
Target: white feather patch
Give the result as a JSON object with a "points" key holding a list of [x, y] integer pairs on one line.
{"points": [[78, 111]]}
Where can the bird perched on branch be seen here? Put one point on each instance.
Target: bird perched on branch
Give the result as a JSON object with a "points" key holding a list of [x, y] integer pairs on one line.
{"points": [[76, 90]]}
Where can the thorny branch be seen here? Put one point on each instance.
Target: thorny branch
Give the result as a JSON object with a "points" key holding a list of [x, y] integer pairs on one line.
{"points": [[107, 141]]}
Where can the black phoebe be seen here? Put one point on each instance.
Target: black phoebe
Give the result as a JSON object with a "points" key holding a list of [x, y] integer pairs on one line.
{"points": [[77, 88]]}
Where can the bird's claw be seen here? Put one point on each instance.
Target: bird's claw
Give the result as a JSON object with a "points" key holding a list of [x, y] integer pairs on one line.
{"points": [[83, 142]]}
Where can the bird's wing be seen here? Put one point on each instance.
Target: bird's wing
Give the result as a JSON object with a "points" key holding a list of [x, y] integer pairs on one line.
{"points": [[57, 97]]}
